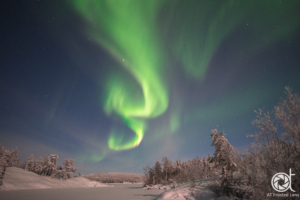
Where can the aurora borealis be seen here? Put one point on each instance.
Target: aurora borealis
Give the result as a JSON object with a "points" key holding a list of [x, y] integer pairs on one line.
{"points": [[119, 84], [127, 32]]}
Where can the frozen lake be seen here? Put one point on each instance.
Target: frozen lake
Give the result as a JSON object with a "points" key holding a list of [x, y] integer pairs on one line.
{"points": [[119, 191]]}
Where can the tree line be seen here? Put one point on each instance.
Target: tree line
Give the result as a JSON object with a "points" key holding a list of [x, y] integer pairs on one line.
{"points": [[115, 177], [166, 172]]}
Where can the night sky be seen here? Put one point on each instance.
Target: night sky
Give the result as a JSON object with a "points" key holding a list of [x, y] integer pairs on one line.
{"points": [[118, 84]]}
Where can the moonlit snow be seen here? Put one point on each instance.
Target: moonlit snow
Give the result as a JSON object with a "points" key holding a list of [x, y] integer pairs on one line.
{"points": [[184, 191], [25, 185], [20, 179]]}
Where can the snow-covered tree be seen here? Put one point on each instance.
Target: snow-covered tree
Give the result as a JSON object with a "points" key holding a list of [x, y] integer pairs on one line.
{"points": [[158, 172], [224, 155], [38, 165], [288, 117], [177, 167], [3, 165], [168, 168], [54, 159], [69, 166], [149, 174], [60, 173], [14, 157], [30, 163], [65, 173], [7, 157], [49, 166], [45, 166], [205, 167], [274, 151]]}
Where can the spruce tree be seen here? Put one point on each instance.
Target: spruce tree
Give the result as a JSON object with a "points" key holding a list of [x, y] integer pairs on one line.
{"points": [[46, 170], [3, 165], [224, 153], [151, 175], [14, 157], [7, 157], [158, 172], [30, 163], [177, 166], [167, 171]]}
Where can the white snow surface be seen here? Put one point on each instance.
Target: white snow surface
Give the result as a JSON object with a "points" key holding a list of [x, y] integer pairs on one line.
{"points": [[185, 192], [22, 184], [20, 179]]}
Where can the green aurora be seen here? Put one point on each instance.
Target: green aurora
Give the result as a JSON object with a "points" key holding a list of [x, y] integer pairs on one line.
{"points": [[127, 31], [144, 36]]}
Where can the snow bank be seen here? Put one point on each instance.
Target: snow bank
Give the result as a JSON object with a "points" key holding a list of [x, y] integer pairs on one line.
{"points": [[20, 179], [184, 191]]}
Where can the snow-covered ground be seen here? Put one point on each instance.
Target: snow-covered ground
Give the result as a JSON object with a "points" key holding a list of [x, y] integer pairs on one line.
{"points": [[20, 179], [21, 184], [118, 192], [184, 191]]}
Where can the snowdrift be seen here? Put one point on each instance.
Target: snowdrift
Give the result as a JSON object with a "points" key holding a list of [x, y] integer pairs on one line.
{"points": [[20, 179], [185, 192]]}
